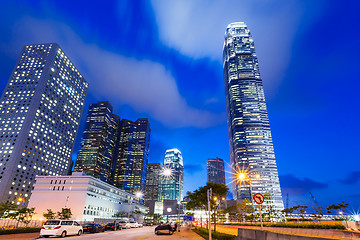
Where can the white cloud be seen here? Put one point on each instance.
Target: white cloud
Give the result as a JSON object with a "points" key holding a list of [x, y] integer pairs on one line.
{"points": [[144, 85], [196, 28]]}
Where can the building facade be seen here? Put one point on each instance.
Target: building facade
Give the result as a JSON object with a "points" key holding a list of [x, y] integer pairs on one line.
{"points": [[98, 143], [215, 170], [130, 163], [251, 145], [40, 111], [152, 181], [172, 177], [88, 198]]}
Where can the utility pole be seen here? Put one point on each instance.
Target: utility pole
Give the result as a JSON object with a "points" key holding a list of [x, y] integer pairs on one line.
{"points": [[209, 196]]}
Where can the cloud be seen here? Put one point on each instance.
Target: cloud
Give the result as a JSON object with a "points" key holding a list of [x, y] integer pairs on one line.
{"points": [[351, 178], [297, 186], [193, 168], [196, 28], [143, 84]]}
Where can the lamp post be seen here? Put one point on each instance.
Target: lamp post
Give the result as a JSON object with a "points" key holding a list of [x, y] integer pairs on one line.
{"points": [[245, 177], [138, 195]]}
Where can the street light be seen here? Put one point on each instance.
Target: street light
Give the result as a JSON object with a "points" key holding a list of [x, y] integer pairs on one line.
{"points": [[138, 194], [245, 176]]}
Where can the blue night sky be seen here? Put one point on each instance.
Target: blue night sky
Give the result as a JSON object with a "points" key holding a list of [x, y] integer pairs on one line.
{"points": [[162, 59]]}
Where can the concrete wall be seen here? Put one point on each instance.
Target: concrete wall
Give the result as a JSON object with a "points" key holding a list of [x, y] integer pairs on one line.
{"points": [[250, 234]]}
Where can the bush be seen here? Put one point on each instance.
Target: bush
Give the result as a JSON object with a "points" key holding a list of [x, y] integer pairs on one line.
{"points": [[20, 230], [294, 225], [218, 235]]}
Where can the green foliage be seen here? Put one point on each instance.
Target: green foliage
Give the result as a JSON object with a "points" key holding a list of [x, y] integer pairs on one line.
{"points": [[64, 214], [294, 225], [240, 211], [154, 217], [121, 214], [215, 235], [6, 208], [20, 230], [198, 198], [270, 212], [340, 206], [49, 214], [25, 214]]}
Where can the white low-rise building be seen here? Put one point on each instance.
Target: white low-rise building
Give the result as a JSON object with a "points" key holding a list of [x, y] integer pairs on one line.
{"points": [[87, 197]]}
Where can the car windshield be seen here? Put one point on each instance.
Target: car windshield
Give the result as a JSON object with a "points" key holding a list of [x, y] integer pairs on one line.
{"points": [[52, 222], [88, 225], [122, 222], [109, 224]]}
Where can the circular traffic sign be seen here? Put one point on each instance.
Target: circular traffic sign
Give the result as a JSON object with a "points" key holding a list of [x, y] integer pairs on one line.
{"points": [[259, 198]]}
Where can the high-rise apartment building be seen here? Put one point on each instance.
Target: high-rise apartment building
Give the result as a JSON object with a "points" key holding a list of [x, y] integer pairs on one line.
{"points": [[172, 177], [251, 146], [130, 163], [40, 110], [98, 143], [215, 170], [152, 181]]}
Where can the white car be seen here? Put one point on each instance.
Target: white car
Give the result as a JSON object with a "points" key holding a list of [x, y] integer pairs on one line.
{"points": [[60, 228], [133, 224], [139, 225]]}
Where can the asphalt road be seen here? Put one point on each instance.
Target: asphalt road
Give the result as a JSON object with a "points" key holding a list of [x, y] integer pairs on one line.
{"points": [[125, 234]]}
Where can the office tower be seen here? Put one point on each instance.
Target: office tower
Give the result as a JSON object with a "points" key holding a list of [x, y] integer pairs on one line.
{"points": [[172, 177], [152, 181], [40, 110], [251, 146], [98, 143], [130, 163], [215, 170]]}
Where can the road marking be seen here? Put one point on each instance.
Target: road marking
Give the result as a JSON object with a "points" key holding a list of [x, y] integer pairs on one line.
{"points": [[145, 236]]}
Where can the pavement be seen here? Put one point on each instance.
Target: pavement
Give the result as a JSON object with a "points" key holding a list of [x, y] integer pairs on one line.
{"points": [[185, 233], [129, 234]]}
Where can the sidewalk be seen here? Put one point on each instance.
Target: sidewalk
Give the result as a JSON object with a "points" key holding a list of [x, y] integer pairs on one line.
{"points": [[20, 236], [183, 234]]}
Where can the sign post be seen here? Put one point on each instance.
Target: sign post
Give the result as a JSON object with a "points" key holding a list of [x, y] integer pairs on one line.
{"points": [[259, 199]]}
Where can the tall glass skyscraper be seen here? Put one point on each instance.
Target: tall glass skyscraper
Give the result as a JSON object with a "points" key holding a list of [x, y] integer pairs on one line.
{"points": [[130, 162], [98, 143], [171, 185], [152, 181], [251, 146], [40, 111], [215, 170]]}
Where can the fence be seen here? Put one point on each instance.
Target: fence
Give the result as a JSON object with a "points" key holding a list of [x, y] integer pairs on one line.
{"points": [[11, 223]]}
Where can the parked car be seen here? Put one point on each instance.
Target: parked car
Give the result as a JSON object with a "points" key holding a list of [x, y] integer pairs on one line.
{"points": [[138, 225], [113, 226], [60, 228], [133, 224], [93, 228], [124, 224], [165, 228]]}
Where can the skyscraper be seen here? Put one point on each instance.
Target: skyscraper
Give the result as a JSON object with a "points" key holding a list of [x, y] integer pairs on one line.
{"points": [[152, 181], [172, 181], [251, 146], [40, 110], [130, 163], [215, 170], [98, 143]]}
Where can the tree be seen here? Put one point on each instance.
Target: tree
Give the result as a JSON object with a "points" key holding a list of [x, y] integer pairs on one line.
{"points": [[65, 213], [121, 214], [49, 214], [25, 215], [340, 206], [270, 210], [317, 215], [239, 211], [198, 198], [6, 208]]}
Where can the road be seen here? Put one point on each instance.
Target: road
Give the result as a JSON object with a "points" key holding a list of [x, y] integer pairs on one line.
{"points": [[125, 234]]}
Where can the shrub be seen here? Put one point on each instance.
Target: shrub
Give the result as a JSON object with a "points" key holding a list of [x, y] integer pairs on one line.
{"points": [[20, 230], [218, 235], [294, 225]]}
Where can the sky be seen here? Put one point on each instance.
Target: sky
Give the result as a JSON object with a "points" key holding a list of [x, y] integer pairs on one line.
{"points": [[162, 59]]}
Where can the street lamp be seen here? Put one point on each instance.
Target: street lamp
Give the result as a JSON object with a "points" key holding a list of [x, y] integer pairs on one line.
{"points": [[244, 176], [138, 194]]}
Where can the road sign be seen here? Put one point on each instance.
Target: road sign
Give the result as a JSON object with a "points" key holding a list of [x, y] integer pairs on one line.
{"points": [[259, 198], [189, 218]]}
